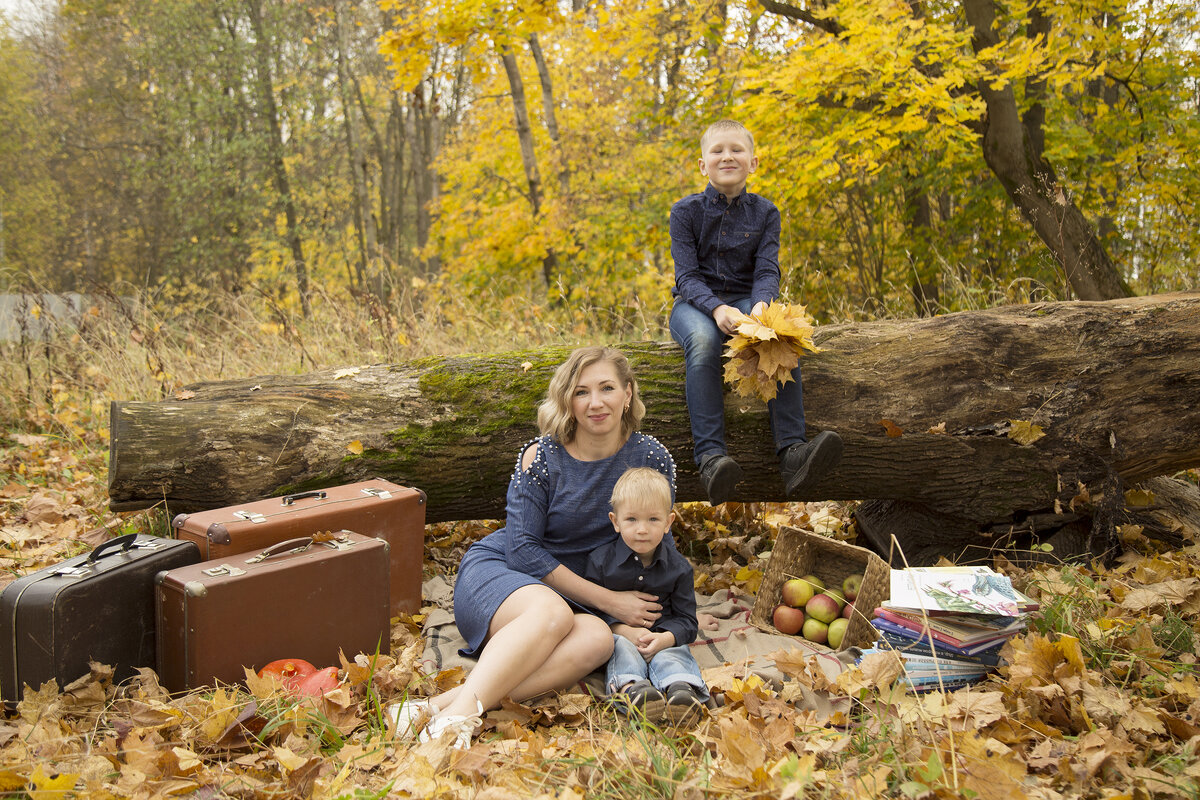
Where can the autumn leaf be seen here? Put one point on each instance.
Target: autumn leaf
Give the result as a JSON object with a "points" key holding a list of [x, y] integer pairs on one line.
{"points": [[1023, 432], [355, 447], [891, 429], [346, 372], [766, 348], [1166, 593], [52, 786]]}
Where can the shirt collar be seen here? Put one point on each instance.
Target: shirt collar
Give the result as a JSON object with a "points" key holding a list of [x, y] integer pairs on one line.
{"points": [[713, 195], [624, 554]]}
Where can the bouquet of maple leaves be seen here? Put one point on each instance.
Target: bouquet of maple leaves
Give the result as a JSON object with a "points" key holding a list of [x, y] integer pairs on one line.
{"points": [[767, 347]]}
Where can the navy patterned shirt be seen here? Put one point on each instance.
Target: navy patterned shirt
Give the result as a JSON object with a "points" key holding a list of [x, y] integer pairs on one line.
{"points": [[669, 577], [725, 248]]}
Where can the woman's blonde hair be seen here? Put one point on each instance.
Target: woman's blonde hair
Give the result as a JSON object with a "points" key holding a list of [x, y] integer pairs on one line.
{"points": [[555, 417]]}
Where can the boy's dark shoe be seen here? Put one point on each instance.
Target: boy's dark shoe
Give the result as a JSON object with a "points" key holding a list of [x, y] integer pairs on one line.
{"points": [[719, 473], [684, 702], [642, 697], [805, 463]]}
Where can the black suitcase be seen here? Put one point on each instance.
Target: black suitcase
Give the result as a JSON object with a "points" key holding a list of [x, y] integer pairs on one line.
{"points": [[94, 607]]}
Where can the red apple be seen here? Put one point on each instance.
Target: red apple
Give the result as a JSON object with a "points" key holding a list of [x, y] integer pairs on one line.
{"points": [[816, 631], [851, 586], [837, 632], [797, 592], [787, 619], [848, 611], [823, 608]]}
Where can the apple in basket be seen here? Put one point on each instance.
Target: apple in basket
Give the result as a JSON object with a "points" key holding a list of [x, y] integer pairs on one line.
{"points": [[816, 631], [797, 592], [787, 619], [837, 632], [824, 608]]}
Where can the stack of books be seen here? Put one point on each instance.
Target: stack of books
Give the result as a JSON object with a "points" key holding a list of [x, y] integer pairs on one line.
{"points": [[949, 623]]}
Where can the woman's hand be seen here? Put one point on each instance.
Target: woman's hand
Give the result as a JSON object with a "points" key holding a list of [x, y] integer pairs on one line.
{"points": [[637, 609]]}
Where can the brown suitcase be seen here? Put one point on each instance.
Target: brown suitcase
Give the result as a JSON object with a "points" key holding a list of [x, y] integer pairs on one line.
{"points": [[94, 607], [301, 598], [372, 508]]}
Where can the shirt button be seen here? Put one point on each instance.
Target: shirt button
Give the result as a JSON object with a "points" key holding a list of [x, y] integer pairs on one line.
{"points": [[641, 577]]}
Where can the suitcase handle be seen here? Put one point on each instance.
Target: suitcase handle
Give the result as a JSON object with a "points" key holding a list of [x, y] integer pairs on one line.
{"points": [[288, 499], [124, 542], [290, 546]]}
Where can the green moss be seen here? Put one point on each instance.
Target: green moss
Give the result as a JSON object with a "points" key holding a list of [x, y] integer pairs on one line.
{"points": [[476, 397]]}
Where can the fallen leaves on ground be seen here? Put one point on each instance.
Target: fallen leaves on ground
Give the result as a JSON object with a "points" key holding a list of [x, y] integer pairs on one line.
{"points": [[1100, 698]]}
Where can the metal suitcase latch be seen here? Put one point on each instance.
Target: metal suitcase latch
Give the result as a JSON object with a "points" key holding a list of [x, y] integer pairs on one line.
{"points": [[341, 543], [224, 569], [382, 494], [151, 545], [72, 572], [251, 516]]}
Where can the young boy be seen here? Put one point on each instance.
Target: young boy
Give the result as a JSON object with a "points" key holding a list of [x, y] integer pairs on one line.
{"points": [[650, 669], [725, 244]]}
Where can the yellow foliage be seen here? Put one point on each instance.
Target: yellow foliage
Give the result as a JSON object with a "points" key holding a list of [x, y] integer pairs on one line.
{"points": [[766, 348]]}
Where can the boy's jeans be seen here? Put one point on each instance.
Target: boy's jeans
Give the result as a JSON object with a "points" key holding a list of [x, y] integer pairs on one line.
{"points": [[703, 345], [666, 667]]}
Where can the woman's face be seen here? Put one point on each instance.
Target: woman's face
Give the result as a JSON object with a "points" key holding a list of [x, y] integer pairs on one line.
{"points": [[598, 400]]}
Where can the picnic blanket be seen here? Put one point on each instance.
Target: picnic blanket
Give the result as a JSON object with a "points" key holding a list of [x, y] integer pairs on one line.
{"points": [[734, 641]]}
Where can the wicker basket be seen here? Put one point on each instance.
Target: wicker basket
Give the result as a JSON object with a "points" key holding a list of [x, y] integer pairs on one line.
{"points": [[798, 553]]}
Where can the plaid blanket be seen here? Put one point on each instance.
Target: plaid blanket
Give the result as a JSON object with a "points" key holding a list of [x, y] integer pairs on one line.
{"points": [[729, 641]]}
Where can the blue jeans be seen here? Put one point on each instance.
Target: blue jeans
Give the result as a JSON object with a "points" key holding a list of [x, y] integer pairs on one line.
{"points": [[666, 667], [703, 345]]}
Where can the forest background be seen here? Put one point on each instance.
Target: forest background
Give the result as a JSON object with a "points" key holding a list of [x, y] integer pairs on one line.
{"points": [[417, 158], [264, 186]]}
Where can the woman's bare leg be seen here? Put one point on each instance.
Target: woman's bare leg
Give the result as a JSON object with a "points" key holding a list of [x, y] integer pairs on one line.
{"points": [[589, 645], [534, 644]]}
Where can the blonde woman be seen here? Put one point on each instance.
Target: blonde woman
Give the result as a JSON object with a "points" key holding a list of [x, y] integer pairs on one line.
{"points": [[520, 600]]}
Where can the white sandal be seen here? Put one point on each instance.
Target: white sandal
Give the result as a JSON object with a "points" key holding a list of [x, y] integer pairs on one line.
{"points": [[463, 727], [406, 715]]}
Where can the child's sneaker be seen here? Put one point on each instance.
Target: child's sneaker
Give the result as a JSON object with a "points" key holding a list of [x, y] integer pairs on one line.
{"points": [[684, 702], [640, 697], [805, 463], [719, 473]]}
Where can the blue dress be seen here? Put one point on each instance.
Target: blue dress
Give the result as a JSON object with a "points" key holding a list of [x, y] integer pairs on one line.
{"points": [[557, 513]]}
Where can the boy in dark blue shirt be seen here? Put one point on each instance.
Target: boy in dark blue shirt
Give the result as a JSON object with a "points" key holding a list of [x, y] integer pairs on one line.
{"points": [[725, 244], [651, 668]]}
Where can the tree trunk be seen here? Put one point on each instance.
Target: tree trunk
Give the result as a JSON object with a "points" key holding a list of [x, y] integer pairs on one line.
{"points": [[1112, 384], [364, 213], [1012, 148], [549, 110], [525, 137], [270, 111]]}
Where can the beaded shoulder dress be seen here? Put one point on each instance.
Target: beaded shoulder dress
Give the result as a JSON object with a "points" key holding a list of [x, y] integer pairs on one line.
{"points": [[556, 513]]}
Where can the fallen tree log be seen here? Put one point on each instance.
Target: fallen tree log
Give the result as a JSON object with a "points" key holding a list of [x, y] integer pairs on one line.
{"points": [[934, 412]]}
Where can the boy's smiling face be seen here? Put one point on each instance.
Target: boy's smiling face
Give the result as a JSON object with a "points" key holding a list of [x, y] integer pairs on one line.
{"points": [[727, 161], [642, 523]]}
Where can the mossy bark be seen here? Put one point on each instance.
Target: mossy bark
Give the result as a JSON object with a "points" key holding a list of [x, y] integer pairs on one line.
{"points": [[1112, 384]]}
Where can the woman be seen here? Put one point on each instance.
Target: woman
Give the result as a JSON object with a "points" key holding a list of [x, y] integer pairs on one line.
{"points": [[519, 599]]}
